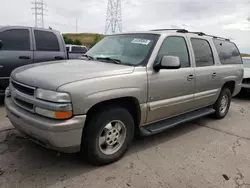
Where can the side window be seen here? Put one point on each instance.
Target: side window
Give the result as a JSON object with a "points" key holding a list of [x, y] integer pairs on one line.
{"points": [[15, 39], [228, 52], [46, 41], [202, 52], [79, 49], [175, 46]]}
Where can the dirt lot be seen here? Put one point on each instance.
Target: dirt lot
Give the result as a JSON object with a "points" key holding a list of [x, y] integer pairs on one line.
{"points": [[203, 153]]}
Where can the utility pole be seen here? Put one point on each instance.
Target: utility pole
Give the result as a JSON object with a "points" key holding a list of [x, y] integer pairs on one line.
{"points": [[113, 17], [76, 25], [39, 8]]}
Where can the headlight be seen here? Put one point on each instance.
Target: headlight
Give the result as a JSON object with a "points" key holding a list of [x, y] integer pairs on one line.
{"points": [[52, 96], [53, 114]]}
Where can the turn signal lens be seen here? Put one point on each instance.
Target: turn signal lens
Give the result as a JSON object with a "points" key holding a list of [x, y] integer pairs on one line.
{"points": [[53, 114], [63, 115]]}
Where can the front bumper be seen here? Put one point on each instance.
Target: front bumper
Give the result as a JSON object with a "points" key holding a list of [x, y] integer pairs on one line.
{"points": [[60, 135]]}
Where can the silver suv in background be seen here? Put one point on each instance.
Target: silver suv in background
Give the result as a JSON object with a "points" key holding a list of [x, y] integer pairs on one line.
{"points": [[21, 45], [76, 51], [143, 82]]}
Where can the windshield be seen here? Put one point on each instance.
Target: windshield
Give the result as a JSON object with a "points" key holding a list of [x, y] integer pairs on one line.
{"points": [[129, 49], [246, 63]]}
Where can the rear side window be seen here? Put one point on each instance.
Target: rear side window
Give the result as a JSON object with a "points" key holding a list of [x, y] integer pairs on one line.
{"points": [[15, 39], [202, 52], [46, 41], [79, 49], [175, 46], [228, 52]]}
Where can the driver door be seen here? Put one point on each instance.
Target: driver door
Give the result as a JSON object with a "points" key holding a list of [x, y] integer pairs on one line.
{"points": [[171, 91]]}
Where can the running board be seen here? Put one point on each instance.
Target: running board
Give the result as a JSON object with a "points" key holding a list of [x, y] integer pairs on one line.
{"points": [[163, 125]]}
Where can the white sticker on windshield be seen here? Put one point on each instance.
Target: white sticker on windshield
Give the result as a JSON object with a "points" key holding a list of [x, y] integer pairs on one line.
{"points": [[141, 41]]}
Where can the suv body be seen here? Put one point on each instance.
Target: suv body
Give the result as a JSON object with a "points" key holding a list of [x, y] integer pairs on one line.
{"points": [[150, 82], [76, 51], [27, 45]]}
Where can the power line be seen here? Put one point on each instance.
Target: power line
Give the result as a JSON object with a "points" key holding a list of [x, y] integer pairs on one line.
{"points": [[39, 9], [114, 17]]}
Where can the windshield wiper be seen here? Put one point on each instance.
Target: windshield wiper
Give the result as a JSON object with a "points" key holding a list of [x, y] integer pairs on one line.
{"points": [[112, 60], [89, 57]]}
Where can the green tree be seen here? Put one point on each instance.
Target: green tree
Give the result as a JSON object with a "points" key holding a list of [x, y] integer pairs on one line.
{"points": [[96, 40], [77, 42], [67, 40]]}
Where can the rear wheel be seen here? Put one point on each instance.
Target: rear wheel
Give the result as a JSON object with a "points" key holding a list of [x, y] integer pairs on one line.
{"points": [[223, 103], [107, 136]]}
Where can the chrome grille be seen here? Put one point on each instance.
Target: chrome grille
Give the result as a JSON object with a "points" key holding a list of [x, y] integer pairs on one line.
{"points": [[20, 93], [23, 88]]}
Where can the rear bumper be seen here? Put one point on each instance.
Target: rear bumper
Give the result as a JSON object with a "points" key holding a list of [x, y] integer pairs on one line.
{"points": [[60, 135]]}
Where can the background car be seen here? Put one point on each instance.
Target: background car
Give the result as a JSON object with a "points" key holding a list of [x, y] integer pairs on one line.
{"points": [[76, 51], [21, 45]]}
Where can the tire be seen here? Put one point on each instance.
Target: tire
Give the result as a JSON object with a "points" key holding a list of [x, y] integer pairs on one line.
{"points": [[98, 126], [218, 106]]}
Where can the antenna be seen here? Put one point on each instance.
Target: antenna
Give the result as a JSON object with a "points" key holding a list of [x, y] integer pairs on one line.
{"points": [[113, 17], [39, 8]]}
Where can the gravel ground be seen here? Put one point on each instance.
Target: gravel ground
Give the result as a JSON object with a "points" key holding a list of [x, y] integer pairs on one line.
{"points": [[202, 153]]}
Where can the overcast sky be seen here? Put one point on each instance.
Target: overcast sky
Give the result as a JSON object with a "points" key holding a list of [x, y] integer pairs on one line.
{"points": [[226, 18]]}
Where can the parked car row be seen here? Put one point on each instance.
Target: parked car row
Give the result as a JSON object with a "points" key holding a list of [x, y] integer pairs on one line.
{"points": [[21, 46], [145, 82]]}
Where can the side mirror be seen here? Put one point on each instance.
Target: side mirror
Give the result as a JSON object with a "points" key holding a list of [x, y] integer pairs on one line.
{"points": [[168, 62], [1, 44]]}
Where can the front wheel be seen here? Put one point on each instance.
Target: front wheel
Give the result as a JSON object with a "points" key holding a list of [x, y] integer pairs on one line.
{"points": [[223, 103], [107, 135]]}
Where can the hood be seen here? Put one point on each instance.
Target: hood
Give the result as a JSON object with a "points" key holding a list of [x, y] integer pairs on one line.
{"points": [[51, 75], [246, 72]]}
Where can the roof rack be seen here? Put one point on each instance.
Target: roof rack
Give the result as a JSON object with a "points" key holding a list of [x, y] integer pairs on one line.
{"points": [[203, 34], [186, 31], [177, 30]]}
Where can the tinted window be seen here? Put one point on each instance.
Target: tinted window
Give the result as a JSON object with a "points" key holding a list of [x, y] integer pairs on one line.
{"points": [[228, 52], [175, 46], [202, 52], [46, 41], [15, 39], [78, 49]]}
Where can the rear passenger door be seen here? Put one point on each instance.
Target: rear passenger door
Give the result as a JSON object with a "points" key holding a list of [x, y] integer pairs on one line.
{"points": [[15, 52], [47, 46], [207, 82]]}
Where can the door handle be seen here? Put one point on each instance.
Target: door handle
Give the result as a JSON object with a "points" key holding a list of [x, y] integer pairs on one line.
{"points": [[24, 57], [1, 66], [190, 77], [59, 58], [214, 75]]}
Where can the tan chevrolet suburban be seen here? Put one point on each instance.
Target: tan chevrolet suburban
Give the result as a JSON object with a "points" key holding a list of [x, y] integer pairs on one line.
{"points": [[143, 82]]}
